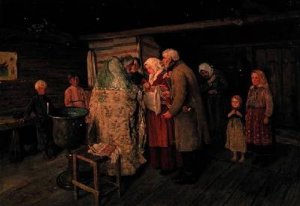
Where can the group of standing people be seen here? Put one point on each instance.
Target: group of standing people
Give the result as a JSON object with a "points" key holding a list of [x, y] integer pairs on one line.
{"points": [[183, 123], [176, 134], [184, 105], [249, 132]]}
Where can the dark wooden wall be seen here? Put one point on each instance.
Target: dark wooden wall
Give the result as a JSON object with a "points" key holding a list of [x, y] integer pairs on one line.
{"points": [[47, 56], [281, 63]]}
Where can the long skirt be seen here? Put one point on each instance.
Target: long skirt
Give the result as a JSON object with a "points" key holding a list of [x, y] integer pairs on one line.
{"points": [[160, 134], [257, 133]]}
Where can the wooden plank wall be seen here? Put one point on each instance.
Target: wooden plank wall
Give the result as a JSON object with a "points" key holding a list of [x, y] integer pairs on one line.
{"points": [[281, 63], [281, 68], [47, 60], [119, 47], [141, 47], [149, 48]]}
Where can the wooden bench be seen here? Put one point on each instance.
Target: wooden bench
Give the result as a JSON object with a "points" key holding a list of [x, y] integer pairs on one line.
{"points": [[95, 162]]}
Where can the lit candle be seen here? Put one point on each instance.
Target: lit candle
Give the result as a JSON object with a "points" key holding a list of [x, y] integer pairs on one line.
{"points": [[47, 107]]}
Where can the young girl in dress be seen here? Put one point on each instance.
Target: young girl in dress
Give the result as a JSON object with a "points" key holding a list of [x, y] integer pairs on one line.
{"points": [[236, 140], [259, 110]]}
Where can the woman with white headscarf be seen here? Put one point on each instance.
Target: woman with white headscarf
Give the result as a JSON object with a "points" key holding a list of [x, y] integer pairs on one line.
{"points": [[213, 88], [160, 131]]}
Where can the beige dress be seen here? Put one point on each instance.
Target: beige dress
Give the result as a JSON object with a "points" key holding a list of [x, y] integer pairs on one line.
{"points": [[236, 139]]}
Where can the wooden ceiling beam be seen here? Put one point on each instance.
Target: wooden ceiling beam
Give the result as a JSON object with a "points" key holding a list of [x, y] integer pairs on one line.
{"points": [[195, 25]]}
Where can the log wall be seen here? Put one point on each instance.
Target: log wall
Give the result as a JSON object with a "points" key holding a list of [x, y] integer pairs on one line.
{"points": [[141, 47], [280, 62], [50, 59]]}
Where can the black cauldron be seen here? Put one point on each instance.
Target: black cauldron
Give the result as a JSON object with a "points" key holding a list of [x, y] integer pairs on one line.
{"points": [[69, 131], [69, 127]]}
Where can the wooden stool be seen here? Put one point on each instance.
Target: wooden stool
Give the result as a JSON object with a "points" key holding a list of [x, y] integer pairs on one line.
{"points": [[94, 162]]}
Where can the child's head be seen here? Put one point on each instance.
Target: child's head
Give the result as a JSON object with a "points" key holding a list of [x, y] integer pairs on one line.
{"points": [[40, 86], [236, 101], [73, 79]]}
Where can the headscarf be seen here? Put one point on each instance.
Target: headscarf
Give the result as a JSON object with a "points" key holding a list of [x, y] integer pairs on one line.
{"points": [[206, 67], [262, 77], [155, 64], [113, 76]]}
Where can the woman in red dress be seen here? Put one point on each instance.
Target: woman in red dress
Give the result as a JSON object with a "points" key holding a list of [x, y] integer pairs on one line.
{"points": [[160, 131], [259, 109]]}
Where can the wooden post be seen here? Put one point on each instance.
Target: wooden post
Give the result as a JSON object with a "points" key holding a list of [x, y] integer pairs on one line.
{"points": [[1, 12]]}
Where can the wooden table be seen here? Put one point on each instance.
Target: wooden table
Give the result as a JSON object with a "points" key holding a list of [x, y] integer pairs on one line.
{"points": [[9, 123]]}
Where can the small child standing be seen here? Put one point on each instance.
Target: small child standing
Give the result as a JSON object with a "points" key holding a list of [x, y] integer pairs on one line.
{"points": [[40, 105], [236, 139], [74, 94]]}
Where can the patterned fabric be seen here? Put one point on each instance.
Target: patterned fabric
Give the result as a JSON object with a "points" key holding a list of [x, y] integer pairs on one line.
{"points": [[257, 132], [236, 138], [259, 104], [114, 112], [113, 76], [260, 97], [75, 97], [105, 150]]}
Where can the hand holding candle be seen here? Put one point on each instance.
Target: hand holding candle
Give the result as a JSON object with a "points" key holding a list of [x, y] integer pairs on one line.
{"points": [[47, 107]]}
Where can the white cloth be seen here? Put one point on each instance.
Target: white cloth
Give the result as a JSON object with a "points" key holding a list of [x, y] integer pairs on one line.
{"points": [[91, 68]]}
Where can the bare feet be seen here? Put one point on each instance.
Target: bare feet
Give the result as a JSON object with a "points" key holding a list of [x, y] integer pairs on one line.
{"points": [[242, 160], [233, 159]]}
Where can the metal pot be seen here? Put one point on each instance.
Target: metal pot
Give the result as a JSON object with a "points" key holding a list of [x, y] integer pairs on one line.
{"points": [[68, 133], [69, 126]]}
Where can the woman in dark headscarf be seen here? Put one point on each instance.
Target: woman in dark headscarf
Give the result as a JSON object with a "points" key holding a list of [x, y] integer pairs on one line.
{"points": [[213, 89]]}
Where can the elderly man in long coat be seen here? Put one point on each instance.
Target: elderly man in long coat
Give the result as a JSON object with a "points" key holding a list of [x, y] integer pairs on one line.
{"points": [[191, 128]]}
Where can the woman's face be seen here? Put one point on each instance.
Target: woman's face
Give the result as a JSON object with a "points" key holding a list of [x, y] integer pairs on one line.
{"points": [[204, 74], [255, 79], [150, 70], [235, 103]]}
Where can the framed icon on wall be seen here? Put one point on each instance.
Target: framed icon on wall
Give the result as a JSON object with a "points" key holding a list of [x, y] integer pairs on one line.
{"points": [[8, 65]]}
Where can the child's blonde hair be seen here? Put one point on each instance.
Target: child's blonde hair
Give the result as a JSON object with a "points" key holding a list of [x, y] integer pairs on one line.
{"points": [[239, 98], [40, 84]]}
